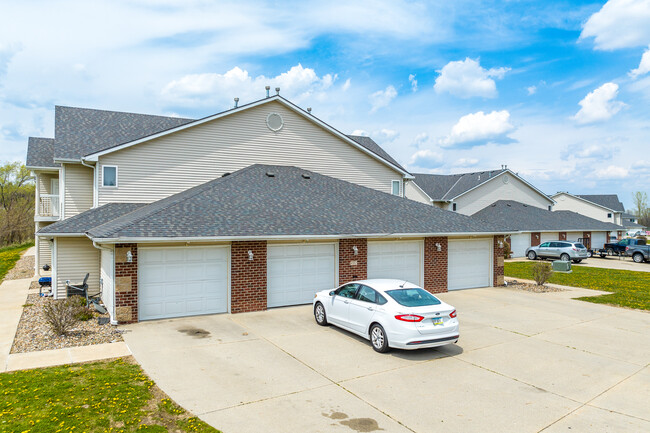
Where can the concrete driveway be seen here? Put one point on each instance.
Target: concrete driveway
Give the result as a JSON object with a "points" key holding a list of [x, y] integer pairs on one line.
{"points": [[525, 362]]}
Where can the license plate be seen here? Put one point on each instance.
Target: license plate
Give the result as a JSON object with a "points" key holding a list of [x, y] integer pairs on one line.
{"points": [[437, 321]]}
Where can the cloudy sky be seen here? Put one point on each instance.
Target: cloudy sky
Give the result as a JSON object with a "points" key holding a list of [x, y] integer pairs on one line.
{"points": [[559, 91]]}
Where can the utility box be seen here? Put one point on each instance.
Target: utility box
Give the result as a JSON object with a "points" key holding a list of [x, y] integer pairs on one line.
{"points": [[561, 266]]}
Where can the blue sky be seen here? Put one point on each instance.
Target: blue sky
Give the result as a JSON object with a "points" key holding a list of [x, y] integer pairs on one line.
{"points": [[559, 91]]}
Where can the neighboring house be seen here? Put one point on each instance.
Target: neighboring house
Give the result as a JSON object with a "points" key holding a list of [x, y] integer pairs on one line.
{"points": [[468, 193], [603, 207], [256, 207], [536, 225], [631, 223]]}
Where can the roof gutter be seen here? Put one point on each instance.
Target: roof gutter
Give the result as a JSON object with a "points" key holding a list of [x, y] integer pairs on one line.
{"points": [[67, 160]]}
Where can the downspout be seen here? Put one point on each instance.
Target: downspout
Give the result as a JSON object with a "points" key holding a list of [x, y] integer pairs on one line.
{"points": [[94, 167], [111, 313]]}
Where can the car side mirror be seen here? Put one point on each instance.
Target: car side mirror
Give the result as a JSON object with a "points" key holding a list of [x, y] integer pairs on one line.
{"points": [[333, 293]]}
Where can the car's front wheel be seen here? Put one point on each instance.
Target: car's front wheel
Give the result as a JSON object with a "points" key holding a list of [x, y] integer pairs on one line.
{"points": [[320, 315], [532, 255], [378, 338], [638, 257], [565, 257], [610, 252]]}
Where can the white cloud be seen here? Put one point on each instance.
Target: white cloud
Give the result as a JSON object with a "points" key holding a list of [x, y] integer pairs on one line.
{"points": [[297, 84], [466, 162], [414, 83], [426, 158], [466, 78], [346, 85], [361, 133], [531, 90], [480, 128], [381, 98], [599, 105], [385, 135], [619, 24], [644, 65], [420, 139], [7, 52], [599, 152], [612, 172]]}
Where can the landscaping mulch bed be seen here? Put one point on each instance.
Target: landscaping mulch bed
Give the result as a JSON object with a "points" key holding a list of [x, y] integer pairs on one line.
{"points": [[24, 268], [35, 334], [514, 284]]}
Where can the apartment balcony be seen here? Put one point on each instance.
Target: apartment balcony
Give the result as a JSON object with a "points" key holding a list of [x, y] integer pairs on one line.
{"points": [[49, 208]]}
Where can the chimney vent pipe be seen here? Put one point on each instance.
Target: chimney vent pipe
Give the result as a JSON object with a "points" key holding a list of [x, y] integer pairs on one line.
{"points": [[277, 90], [309, 110], [236, 102], [267, 90]]}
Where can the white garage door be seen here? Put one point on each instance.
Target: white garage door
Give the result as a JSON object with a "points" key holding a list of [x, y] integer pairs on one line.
{"points": [[519, 243], [546, 237], [573, 236], [175, 282], [401, 260], [296, 272], [598, 239], [470, 263]]}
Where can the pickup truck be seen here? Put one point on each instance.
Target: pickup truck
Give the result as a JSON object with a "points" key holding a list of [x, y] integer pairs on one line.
{"points": [[639, 253], [619, 247]]}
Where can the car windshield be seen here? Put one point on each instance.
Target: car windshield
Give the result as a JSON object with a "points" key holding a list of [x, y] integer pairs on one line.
{"points": [[415, 297], [580, 246]]}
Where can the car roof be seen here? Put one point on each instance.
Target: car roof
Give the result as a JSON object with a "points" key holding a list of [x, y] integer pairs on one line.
{"points": [[384, 284]]}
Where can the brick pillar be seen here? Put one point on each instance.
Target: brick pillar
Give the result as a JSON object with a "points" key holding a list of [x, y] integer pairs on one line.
{"points": [[126, 283], [562, 236], [535, 239], [248, 277], [498, 261], [435, 265], [587, 239], [619, 235], [353, 267]]}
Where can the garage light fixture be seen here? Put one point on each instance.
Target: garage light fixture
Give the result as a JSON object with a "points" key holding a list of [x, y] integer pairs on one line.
{"points": [[250, 255], [356, 250], [129, 257], [500, 244], [438, 247]]}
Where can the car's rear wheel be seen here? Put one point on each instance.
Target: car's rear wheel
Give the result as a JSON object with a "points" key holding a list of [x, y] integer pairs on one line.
{"points": [[320, 315], [532, 255], [378, 339], [590, 254], [610, 252], [638, 257], [565, 257]]}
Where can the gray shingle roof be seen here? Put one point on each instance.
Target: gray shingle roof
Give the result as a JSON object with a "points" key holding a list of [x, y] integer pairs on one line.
{"points": [[248, 203], [40, 152], [609, 201], [370, 144], [446, 187], [80, 224], [81, 131], [519, 216]]}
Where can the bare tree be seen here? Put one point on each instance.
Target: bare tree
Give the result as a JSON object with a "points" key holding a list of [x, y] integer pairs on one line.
{"points": [[641, 208], [16, 204]]}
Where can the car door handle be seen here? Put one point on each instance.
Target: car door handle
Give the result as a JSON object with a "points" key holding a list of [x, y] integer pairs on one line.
{"points": [[346, 302], [371, 309]]}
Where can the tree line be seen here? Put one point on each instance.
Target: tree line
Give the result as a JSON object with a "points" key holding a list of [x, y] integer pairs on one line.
{"points": [[17, 198], [641, 209]]}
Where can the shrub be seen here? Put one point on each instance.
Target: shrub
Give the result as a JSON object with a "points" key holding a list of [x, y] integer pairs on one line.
{"points": [[62, 315], [83, 314], [506, 250], [541, 272]]}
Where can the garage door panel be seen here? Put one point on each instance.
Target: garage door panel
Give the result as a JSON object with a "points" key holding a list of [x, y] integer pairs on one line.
{"points": [[175, 282], [469, 263], [399, 259]]}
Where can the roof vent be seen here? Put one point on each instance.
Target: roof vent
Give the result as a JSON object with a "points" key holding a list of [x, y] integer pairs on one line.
{"points": [[268, 88], [236, 102], [277, 90], [225, 174], [309, 110], [508, 204], [270, 174], [306, 176]]}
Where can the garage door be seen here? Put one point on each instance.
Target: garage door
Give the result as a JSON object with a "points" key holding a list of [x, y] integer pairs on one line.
{"points": [[470, 263], [573, 236], [519, 243], [188, 281], [296, 272], [546, 237], [401, 260], [598, 239]]}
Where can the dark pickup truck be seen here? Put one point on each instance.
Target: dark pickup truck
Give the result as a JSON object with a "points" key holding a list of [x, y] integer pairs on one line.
{"points": [[639, 253], [619, 247]]}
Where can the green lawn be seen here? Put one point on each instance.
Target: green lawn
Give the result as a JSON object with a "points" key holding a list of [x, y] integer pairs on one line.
{"points": [[10, 255], [104, 396], [631, 289]]}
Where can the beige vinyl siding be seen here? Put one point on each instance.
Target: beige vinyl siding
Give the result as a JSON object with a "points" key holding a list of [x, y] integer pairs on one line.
{"points": [[567, 202], [44, 250], [167, 165], [496, 189], [45, 182], [78, 184], [75, 258], [415, 193]]}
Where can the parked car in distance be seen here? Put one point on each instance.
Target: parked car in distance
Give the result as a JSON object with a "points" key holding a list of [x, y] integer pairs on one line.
{"points": [[389, 313], [563, 250], [618, 248], [639, 253]]}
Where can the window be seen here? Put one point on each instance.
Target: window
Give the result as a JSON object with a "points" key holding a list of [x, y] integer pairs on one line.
{"points": [[609, 215], [550, 207], [109, 175], [413, 297], [367, 294], [545, 245], [347, 291], [453, 207], [396, 184]]}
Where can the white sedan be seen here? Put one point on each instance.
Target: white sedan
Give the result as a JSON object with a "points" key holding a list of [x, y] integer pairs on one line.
{"points": [[389, 313]]}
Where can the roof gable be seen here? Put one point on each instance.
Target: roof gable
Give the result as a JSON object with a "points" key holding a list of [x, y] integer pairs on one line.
{"points": [[609, 201], [40, 153]]}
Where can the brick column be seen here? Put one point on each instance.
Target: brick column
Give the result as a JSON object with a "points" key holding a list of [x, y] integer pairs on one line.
{"points": [[562, 236], [435, 264], [126, 283], [619, 235], [498, 261], [535, 239], [353, 267], [248, 277]]}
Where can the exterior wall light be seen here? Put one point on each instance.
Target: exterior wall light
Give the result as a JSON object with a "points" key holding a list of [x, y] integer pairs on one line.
{"points": [[356, 250], [438, 247], [500, 244], [536, 236], [250, 255], [129, 256]]}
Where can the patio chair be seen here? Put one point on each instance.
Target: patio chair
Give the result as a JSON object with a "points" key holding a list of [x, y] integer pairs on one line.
{"points": [[78, 289]]}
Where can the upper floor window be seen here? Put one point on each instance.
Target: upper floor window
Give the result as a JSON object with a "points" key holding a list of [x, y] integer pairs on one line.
{"points": [[550, 208], [609, 215], [453, 207], [109, 175], [396, 187]]}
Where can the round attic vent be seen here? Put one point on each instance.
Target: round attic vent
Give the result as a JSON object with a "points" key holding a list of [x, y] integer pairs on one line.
{"points": [[506, 178], [274, 121]]}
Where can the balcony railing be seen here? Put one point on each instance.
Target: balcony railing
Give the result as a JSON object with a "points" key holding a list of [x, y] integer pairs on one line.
{"points": [[48, 205]]}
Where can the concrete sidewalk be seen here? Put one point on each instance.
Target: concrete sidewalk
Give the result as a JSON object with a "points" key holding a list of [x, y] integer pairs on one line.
{"points": [[13, 295]]}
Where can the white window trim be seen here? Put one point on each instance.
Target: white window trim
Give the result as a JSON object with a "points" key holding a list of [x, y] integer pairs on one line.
{"points": [[399, 188], [117, 183]]}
